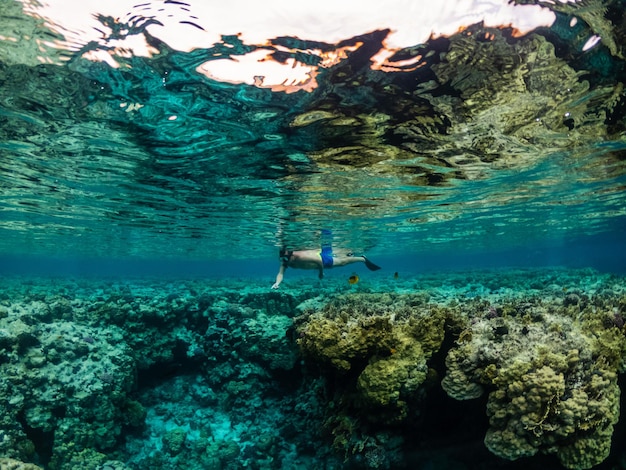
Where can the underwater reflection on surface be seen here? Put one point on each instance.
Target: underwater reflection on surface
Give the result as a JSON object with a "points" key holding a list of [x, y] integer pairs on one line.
{"points": [[489, 136]]}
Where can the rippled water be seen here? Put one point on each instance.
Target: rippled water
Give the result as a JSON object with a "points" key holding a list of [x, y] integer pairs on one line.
{"points": [[487, 138]]}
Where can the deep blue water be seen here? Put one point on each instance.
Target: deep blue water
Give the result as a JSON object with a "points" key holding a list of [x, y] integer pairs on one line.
{"points": [[605, 253]]}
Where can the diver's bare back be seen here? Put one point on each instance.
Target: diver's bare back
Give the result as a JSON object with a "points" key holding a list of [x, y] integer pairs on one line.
{"points": [[306, 259]]}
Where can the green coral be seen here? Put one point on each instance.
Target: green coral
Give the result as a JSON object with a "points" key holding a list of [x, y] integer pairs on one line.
{"points": [[552, 382], [72, 456], [134, 413], [12, 464], [385, 340], [341, 341], [64, 380], [384, 381], [174, 440]]}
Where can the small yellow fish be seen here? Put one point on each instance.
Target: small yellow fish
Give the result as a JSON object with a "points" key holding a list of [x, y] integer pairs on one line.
{"points": [[353, 279]]}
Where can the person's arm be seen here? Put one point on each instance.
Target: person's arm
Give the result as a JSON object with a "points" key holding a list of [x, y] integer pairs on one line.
{"points": [[321, 273], [279, 276]]}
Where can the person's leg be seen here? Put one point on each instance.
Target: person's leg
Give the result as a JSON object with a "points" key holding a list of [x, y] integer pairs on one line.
{"points": [[343, 260]]}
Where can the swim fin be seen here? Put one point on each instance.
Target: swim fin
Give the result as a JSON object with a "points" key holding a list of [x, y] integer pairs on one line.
{"points": [[371, 266]]}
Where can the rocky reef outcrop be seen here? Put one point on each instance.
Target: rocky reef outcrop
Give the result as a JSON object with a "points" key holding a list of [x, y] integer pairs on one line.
{"points": [[550, 370], [196, 374]]}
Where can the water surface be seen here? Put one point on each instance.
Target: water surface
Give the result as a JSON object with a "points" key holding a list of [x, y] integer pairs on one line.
{"points": [[117, 144]]}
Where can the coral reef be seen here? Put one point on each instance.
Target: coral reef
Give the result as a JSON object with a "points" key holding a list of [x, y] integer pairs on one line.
{"points": [[384, 340], [12, 464], [89, 365], [374, 348], [104, 375], [551, 374], [68, 384]]}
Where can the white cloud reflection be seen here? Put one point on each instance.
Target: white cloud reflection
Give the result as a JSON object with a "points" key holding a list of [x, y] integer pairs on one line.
{"points": [[188, 25]]}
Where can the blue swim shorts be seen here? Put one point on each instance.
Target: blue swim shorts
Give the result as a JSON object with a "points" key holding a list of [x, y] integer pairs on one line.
{"points": [[327, 256]]}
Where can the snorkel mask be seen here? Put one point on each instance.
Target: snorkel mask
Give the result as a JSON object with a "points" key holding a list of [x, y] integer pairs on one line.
{"points": [[285, 255]]}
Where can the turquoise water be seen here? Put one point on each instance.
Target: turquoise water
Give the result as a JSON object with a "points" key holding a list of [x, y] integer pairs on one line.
{"points": [[488, 145], [148, 180]]}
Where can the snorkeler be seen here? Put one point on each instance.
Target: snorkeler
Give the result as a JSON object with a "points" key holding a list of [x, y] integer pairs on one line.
{"points": [[316, 259]]}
